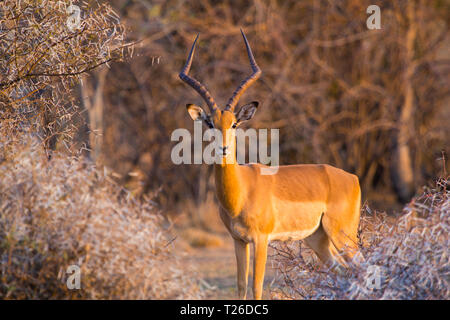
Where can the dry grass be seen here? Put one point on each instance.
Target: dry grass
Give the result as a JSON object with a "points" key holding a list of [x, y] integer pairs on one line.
{"points": [[412, 255], [62, 212]]}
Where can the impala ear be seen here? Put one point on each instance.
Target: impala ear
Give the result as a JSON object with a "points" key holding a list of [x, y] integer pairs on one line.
{"points": [[247, 111], [197, 113]]}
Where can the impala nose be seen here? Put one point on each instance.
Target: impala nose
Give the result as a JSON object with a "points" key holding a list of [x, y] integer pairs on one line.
{"points": [[224, 151]]}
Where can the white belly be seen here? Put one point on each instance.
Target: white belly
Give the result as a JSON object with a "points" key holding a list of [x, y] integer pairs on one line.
{"points": [[292, 235]]}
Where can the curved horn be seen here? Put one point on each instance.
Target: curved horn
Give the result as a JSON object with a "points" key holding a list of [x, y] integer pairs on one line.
{"points": [[201, 89], [248, 81]]}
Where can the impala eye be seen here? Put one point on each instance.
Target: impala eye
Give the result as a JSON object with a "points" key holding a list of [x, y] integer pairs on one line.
{"points": [[234, 125]]}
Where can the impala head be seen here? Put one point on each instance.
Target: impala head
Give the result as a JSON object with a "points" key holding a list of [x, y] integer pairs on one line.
{"points": [[226, 120]]}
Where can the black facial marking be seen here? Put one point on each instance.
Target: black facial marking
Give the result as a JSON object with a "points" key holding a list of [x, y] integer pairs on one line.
{"points": [[209, 123]]}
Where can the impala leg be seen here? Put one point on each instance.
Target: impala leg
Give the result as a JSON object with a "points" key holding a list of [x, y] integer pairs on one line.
{"points": [[242, 251], [259, 265], [324, 248]]}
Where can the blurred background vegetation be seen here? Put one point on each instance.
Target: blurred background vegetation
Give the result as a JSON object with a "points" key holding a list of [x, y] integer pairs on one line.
{"points": [[373, 102]]}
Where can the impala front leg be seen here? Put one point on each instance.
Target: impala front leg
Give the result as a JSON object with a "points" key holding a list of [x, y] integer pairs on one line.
{"points": [[259, 265], [242, 251]]}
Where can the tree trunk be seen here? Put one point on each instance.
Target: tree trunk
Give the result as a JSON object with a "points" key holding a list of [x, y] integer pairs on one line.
{"points": [[403, 173], [92, 97]]}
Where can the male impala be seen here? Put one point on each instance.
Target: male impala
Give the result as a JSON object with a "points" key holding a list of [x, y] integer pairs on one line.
{"points": [[317, 203]]}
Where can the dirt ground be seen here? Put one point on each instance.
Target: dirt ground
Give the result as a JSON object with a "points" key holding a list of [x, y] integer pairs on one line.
{"points": [[217, 265]]}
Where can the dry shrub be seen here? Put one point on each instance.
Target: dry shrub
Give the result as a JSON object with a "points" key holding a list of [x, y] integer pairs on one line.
{"points": [[62, 212], [411, 255], [43, 57]]}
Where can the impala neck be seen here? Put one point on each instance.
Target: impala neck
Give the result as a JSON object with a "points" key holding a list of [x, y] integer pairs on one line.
{"points": [[230, 187]]}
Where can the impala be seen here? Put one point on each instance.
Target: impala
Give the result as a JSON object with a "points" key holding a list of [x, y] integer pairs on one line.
{"points": [[314, 202]]}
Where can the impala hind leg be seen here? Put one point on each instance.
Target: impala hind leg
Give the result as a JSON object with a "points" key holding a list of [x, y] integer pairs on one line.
{"points": [[343, 236], [259, 265], [341, 221], [324, 248], [242, 251]]}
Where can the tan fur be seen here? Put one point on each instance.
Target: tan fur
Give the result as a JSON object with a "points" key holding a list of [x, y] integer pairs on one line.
{"points": [[318, 203]]}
